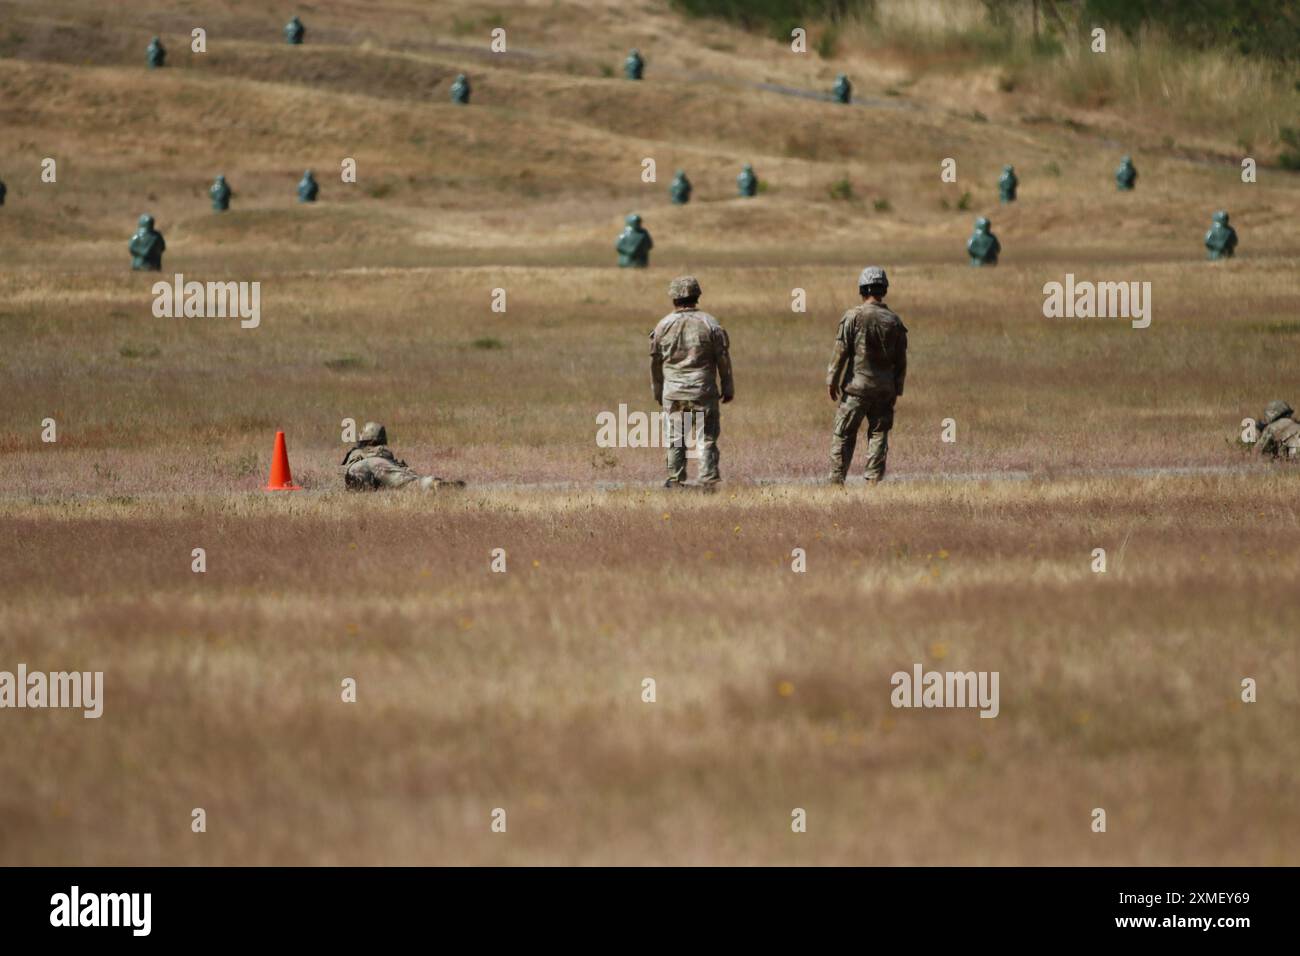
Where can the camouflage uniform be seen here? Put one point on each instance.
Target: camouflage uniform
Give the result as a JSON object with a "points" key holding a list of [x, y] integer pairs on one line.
{"points": [[689, 354], [370, 466], [866, 376], [1279, 433]]}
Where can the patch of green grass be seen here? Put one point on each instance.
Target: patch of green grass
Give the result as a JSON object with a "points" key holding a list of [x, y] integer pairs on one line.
{"points": [[882, 205], [487, 343], [344, 363], [1282, 328], [134, 352], [964, 202], [842, 189]]}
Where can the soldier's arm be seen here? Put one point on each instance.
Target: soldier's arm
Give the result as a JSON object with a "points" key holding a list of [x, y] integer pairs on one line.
{"points": [[1264, 444], [900, 360], [723, 345], [839, 357], [656, 368]]}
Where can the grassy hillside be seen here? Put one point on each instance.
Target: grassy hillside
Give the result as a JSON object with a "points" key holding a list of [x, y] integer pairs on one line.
{"points": [[521, 690]]}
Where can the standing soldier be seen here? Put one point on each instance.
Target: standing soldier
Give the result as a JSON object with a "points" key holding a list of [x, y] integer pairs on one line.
{"points": [[1221, 240], [147, 247], [156, 55], [983, 247], [1127, 175], [1007, 184], [1279, 433], [220, 193], [633, 66], [866, 377], [680, 190], [747, 182], [689, 358], [633, 244], [843, 89], [294, 31]]}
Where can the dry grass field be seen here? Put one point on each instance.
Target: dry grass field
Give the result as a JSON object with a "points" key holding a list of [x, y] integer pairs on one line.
{"points": [[522, 690]]}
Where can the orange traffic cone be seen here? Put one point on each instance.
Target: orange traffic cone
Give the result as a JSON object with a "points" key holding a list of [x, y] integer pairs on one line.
{"points": [[281, 478]]}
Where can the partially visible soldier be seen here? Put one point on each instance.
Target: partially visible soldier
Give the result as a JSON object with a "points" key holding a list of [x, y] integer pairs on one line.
{"points": [[1007, 184], [369, 465], [1279, 432], [1126, 176], [866, 375], [147, 247], [747, 182], [983, 246], [294, 31], [460, 90], [308, 188], [1221, 240], [3, 189], [690, 370], [843, 89], [633, 66], [156, 55], [633, 244], [220, 193], [680, 190]]}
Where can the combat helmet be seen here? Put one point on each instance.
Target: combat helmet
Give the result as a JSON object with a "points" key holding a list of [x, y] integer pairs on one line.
{"points": [[1274, 410], [873, 276], [1221, 217], [373, 434], [684, 287]]}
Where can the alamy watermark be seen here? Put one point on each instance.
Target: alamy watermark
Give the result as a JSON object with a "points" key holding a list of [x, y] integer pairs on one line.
{"points": [[58, 689], [1098, 300], [208, 300], [661, 429], [923, 688]]}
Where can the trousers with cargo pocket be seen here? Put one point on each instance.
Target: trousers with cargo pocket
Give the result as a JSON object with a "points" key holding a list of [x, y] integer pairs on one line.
{"points": [[704, 426], [877, 410]]}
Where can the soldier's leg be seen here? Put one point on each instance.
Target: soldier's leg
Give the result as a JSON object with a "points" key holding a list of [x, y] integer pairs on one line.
{"points": [[675, 450], [388, 475], [844, 436], [706, 432], [880, 419]]}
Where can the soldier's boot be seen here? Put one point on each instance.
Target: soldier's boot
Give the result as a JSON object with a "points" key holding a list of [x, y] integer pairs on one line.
{"points": [[430, 483]]}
